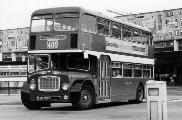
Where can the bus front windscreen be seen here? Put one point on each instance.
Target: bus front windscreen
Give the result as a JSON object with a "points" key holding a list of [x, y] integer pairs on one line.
{"points": [[42, 23], [60, 22], [38, 62]]}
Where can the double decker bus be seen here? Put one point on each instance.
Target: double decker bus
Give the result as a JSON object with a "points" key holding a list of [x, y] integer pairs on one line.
{"points": [[82, 57]]}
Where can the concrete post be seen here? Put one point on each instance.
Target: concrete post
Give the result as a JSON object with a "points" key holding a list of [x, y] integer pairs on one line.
{"points": [[176, 45], [1, 56], [13, 55]]}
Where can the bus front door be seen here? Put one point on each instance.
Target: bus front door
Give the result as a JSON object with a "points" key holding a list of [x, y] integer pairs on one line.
{"points": [[104, 78]]}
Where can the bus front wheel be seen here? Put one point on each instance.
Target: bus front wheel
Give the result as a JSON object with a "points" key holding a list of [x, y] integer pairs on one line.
{"points": [[85, 99], [25, 98]]}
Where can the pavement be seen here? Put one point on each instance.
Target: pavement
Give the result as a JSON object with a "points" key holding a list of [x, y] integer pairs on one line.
{"points": [[14, 99], [174, 93]]}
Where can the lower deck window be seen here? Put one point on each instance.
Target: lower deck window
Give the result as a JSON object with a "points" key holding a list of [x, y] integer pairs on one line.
{"points": [[131, 70], [137, 71], [116, 69], [127, 70], [127, 73]]}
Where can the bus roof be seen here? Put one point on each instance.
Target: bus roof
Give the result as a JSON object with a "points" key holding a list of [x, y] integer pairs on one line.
{"points": [[79, 9]]}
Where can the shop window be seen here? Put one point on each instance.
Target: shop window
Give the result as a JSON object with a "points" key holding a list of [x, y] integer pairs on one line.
{"points": [[180, 43], [159, 45], [166, 22], [169, 44], [140, 16], [179, 12], [180, 23], [169, 14]]}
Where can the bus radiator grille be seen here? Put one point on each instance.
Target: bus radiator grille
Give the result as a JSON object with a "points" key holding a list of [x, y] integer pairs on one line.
{"points": [[49, 83]]}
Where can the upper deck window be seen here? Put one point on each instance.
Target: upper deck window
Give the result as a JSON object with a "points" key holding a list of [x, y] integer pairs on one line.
{"points": [[66, 22], [127, 31], [103, 26], [116, 30], [42, 23], [88, 23]]}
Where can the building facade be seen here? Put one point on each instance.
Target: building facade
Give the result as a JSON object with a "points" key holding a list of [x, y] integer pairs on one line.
{"points": [[14, 45], [166, 26], [13, 59]]}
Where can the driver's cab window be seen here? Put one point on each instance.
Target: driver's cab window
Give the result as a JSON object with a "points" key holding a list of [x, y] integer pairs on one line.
{"points": [[42, 62]]}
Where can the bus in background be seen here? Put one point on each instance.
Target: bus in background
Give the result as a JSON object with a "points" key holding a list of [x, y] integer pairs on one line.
{"points": [[82, 57]]}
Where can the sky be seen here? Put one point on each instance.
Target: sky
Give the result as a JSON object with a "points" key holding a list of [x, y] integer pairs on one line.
{"points": [[16, 13]]}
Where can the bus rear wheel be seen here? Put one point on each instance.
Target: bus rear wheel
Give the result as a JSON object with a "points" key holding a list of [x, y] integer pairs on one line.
{"points": [[25, 98], [139, 94], [85, 99]]}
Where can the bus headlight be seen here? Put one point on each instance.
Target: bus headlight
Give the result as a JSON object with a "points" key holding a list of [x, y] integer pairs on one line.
{"points": [[65, 86], [32, 86]]}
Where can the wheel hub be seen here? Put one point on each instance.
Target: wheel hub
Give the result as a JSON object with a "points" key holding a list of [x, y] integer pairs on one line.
{"points": [[85, 97]]}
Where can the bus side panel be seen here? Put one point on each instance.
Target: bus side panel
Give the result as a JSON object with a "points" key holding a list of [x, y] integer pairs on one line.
{"points": [[132, 87], [119, 89], [125, 88]]}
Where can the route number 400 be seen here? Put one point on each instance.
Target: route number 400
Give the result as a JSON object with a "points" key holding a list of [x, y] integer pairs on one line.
{"points": [[52, 44]]}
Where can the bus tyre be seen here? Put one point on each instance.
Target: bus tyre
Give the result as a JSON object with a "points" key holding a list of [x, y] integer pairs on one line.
{"points": [[25, 98], [139, 94], [85, 99]]}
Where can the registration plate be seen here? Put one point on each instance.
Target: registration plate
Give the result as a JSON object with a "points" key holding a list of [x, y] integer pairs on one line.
{"points": [[39, 98]]}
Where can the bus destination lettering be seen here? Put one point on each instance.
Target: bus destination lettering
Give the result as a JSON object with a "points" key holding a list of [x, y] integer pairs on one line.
{"points": [[52, 41], [55, 37]]}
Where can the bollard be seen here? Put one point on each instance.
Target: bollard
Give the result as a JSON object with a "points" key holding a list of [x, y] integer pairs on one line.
{"points": [[156, 94]]}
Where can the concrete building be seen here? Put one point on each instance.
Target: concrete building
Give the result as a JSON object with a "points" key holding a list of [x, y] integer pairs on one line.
{"points": [[166, 26], [13, 59], [13, 45]]}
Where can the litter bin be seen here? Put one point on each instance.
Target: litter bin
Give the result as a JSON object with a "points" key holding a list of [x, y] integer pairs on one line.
{"points": [[156, 94]]}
